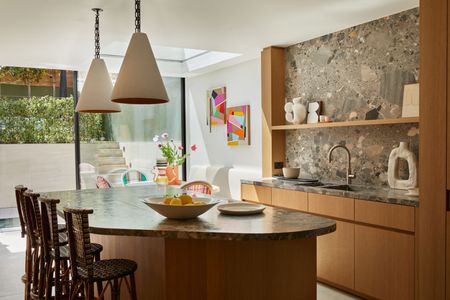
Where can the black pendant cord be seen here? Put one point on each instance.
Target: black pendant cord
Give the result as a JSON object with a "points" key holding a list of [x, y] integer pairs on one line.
{"points": [[137, 15], [97, 31]]}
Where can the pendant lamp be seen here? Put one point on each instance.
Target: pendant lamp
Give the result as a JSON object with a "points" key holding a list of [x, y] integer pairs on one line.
{"points": [[96, 93], [139, 80]]}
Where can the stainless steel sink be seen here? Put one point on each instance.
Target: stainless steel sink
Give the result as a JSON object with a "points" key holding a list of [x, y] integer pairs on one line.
{"points": [[342, 187]]}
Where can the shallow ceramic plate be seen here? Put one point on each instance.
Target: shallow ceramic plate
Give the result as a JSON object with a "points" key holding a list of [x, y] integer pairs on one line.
{"points": [[180, 211], [240, 208]]}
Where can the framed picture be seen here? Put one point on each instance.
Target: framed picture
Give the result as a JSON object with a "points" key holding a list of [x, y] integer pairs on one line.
{"points": [[238, 125], [217, 104]]}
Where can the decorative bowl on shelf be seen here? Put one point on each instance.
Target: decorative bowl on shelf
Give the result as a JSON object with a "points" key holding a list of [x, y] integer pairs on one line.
{"points": [[291, 172], [174, 209]]}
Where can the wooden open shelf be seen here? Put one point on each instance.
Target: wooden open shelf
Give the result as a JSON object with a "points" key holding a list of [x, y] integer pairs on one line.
{"points": [[348, 123]]}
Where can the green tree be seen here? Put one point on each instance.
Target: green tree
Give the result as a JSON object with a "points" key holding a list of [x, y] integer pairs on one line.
{"points": [[27, 75]]}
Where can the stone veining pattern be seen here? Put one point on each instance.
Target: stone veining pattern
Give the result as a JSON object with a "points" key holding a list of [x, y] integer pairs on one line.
{"points": [[370, 147], [121, 211], [357, 73]]}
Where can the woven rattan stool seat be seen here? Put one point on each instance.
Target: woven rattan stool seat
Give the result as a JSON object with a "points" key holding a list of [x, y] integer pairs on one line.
{"points": [[108, 269]]}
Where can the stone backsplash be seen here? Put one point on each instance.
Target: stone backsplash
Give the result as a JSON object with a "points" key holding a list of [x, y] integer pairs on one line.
{"points": [[354, 72], [369, 146]]}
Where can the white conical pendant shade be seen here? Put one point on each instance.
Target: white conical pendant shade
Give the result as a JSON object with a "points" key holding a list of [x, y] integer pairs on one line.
{"points": [[139, 80], [96, 93]]}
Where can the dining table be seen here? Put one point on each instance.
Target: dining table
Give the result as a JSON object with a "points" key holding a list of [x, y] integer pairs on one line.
{"points": [[271, 255]]}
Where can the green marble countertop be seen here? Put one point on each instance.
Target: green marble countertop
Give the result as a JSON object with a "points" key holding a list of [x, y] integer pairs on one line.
{"points": [[121, 211]]}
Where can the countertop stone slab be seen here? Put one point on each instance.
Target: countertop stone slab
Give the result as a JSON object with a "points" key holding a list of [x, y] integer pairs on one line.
{"points": [[377, 194], [121, 211]]}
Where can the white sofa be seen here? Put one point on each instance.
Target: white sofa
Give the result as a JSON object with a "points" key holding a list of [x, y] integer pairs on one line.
{"points": [[227, 178]]}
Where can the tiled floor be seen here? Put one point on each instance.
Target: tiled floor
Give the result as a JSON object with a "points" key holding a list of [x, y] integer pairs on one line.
{"points": [[12, 265]]}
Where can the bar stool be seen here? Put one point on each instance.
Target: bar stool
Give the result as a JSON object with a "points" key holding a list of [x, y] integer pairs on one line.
{"points": [[56, 253], [26, 278], [86, 272]]}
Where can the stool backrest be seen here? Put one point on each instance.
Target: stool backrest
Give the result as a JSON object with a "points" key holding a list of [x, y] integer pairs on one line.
{"points": [[33, 217], [77, 223], [50, 234], [20, 189]]}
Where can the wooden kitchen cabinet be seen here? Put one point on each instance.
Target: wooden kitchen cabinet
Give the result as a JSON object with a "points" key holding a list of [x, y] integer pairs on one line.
{"points": [[331, 206], [385, 214], [290, 199], [336, 254], [256, 193], [384, 263]]}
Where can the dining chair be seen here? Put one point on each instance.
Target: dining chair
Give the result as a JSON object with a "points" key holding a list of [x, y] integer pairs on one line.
{"points": [[102, 183], [198, 186], [133, 175], [56, 253], [86, 272]]}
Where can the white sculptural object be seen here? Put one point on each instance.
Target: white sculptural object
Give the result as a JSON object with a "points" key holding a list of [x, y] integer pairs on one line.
{"points": [[295, 111], [402, 152]]}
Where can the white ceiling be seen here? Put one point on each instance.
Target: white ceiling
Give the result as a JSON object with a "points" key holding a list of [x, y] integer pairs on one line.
{"points": [[59, 33]]}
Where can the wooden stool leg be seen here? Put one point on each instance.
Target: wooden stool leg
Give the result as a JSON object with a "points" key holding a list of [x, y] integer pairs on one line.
{"points": [[65, 279], [133, 287], [42, 275], [115, 290], [35, 279], [49, 279], [57, 280], [89, 290], [28, 268]]}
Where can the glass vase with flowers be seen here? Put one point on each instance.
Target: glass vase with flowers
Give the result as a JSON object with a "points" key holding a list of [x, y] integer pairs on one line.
{"points": [[174, 155]]}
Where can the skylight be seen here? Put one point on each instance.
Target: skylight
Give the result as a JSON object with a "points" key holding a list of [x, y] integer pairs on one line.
{"points": [[171, 61]]}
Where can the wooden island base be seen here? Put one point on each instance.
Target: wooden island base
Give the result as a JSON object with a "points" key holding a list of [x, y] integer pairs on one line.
{"points": [[191, 269]]}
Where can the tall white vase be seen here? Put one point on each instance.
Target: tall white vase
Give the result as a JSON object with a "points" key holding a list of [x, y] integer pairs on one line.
{"points": [[402, 152]]}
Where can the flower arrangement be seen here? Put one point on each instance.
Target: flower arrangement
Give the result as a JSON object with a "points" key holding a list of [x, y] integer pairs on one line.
{"points": [[171, 152]]}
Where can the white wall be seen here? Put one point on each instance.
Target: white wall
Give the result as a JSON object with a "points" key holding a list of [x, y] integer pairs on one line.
{"points": [[41, 167], [243, 82]]}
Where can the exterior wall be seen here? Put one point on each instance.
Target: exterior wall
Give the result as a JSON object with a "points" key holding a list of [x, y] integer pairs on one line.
{"points": [[41, 167], [357, 73]]}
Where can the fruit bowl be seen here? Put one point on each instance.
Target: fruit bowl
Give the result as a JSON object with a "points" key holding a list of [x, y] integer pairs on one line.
{"points": [[178, 210]]}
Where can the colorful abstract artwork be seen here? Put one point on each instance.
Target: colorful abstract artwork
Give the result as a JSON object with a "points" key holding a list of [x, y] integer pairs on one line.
{"points": [[217, 101], [238, 125]]}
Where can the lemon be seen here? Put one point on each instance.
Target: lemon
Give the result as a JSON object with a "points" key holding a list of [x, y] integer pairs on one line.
{"points": [[175, 201], [199, 202], [185, 199]]}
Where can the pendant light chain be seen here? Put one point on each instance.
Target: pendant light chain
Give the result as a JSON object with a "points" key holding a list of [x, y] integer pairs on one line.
{"points": [[137, 15], [97, 32]]}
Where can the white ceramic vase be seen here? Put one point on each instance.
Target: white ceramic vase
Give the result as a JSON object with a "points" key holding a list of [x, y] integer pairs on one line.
{"points": [[295, 111], [402, 152]]}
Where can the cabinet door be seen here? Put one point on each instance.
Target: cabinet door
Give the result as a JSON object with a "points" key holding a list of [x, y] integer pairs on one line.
{"points": [[335, 255], [256, 193], [384, 263], [331, 206], [290, 199]]}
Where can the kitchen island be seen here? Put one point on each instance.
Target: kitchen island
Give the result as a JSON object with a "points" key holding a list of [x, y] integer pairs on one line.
{"points": [[266, 256]]}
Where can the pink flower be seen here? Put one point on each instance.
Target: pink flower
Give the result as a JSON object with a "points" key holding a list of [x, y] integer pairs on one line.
{"points": [[194, 147], [180, 147], [165, 135], [159, 145]]}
